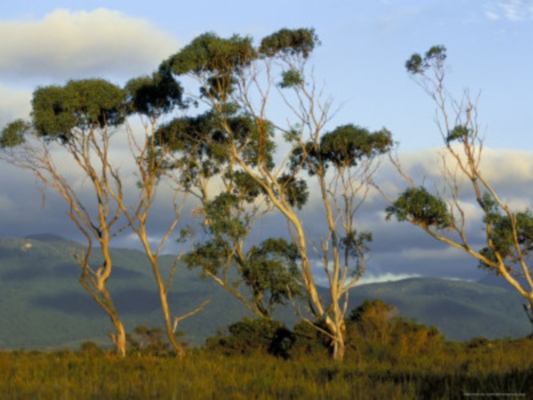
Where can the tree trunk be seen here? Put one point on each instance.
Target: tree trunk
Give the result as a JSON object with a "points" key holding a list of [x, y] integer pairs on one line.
{"points": [[103, 298], [338, 348], [337, 345], [168, 323], [336, 330], [528, 308], [119, 337]]}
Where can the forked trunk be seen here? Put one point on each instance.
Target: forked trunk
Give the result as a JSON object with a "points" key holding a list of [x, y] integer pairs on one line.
{"points": [[119, 337], [337, 346], [103, 299], [168, 322]]}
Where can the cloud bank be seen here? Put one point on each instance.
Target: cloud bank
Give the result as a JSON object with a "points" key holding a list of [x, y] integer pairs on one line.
{"points": [[66, 44]]}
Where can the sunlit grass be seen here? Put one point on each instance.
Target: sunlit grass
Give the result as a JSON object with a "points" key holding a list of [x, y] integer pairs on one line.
{"points": [[446, 373]]}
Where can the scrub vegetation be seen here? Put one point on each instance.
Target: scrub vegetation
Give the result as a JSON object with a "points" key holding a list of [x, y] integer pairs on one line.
{"points": [[386, 357]]}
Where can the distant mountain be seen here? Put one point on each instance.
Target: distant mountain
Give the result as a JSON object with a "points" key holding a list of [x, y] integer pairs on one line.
{"points": [[462, 310], [43, 305], [46, 237], [499, 281]]}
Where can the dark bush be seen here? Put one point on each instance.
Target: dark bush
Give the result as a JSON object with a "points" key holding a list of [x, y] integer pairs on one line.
{"points": [[309, 340], [252, 336]]}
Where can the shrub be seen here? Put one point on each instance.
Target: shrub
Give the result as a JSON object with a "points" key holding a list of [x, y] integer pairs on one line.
{"points": [[249, 336], [149, 341], [90, 349], [308, 340]]}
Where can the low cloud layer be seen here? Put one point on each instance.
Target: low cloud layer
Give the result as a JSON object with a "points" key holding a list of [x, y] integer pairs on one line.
{"points": [[66, 44], [398, 249]]}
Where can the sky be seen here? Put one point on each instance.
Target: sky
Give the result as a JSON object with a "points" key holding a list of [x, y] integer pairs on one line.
{"points": [[364, 46]]}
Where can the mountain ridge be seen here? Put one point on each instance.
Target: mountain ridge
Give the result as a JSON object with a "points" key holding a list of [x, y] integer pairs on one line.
{"points": [[42, 305]]}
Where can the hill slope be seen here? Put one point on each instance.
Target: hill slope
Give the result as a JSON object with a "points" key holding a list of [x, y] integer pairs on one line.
{"points": [[43, 305], [460, 309]]}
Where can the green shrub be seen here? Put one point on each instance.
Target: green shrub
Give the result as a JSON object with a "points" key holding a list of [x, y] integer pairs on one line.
{"points": [[249, 336], [149, 341], [309, 340], [90, 349]]}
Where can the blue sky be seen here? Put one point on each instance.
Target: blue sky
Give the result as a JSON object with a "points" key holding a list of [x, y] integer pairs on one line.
{"points": [[361, 61], [364, 47]]}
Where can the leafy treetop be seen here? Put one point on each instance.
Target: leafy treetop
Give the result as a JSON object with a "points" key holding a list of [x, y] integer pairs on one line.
{"points": [[418, 64], [422, 208]]}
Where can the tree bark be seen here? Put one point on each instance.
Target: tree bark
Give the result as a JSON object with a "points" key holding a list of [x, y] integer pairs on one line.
{"points": [[338, 348], [119, 337], [168, 321]]}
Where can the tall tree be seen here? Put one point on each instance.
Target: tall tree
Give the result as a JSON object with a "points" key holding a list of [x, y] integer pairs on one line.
{"points": [[238, 81], [151, 97], [508, 232], [260, 276], [78, 120]]}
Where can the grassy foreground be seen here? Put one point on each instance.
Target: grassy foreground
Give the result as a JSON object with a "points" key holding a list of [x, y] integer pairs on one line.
{"points": [[478, 369]]}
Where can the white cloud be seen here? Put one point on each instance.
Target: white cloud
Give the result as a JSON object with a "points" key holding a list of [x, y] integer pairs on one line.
{"points": [[433, 254], [512, 10], [67, 44], [492, 15], [386, 277], [509, 171], [13, 104]]}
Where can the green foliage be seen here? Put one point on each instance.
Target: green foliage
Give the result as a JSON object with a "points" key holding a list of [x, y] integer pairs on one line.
{"points": [[223, 221], [253, 337], [246, 187], [310, 341], [422, 208], [293, 42], [154, 95], [209, 53], [343, 148], [13, 134], [290, 79], [294, 189], [355, 243], [501, 235], [82, 104], [214, 57], [418, 64], [271, 271], [460, 133], [149, 341], [207, 256], [268, 270], [203, 142], [348, 144]]}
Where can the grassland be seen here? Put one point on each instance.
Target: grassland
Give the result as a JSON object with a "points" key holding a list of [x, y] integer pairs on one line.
{"points": [[455, 371]]}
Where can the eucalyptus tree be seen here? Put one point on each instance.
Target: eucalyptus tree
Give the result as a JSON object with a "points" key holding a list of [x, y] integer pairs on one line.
{"points": [[239, 83], [150, 98], [507, 232], [71, 127], [260, 276]]}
